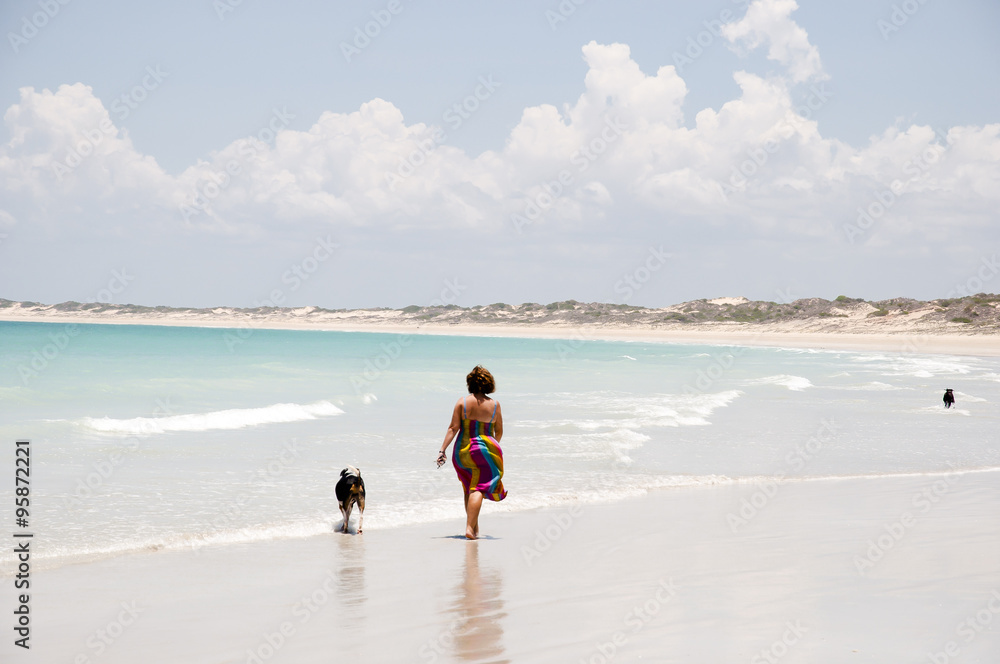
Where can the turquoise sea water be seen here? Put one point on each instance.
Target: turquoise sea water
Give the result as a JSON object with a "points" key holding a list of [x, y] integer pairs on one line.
{"points": [[148, 437]]}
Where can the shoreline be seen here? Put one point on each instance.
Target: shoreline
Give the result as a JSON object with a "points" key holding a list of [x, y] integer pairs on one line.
{"points": [[737, 484], [913, 341], [858, 567]]}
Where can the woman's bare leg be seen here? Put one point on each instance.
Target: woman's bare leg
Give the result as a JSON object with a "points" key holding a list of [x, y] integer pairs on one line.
{"points": [[473, 503], [465, 496]]}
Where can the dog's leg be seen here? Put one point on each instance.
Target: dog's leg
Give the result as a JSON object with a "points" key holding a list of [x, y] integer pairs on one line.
{"points": [[347, 517], [361, 513], [343, 528]]}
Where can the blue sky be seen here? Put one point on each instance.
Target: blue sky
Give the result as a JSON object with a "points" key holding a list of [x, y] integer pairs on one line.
{"points": [[915, 106]]}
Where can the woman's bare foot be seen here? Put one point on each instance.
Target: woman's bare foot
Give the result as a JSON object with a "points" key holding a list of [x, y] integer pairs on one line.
{"points": [[472, 507]]}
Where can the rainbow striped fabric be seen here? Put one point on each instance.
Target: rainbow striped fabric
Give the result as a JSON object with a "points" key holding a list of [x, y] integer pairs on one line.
{"points": [[478, 459]]}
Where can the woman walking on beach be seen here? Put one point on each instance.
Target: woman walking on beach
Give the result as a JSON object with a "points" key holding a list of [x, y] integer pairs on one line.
{"points": [[477, 457]]}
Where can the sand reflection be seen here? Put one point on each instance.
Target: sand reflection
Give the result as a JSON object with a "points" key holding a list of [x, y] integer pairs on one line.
{"points": [[479, 608], [351, 576]]}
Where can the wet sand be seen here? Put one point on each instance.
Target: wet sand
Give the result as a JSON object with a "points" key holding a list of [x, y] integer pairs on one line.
{"points": [[882, 569]]}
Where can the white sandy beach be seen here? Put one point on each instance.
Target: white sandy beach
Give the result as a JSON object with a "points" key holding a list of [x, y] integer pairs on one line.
{"points": [[853, 570], [909, 338]]}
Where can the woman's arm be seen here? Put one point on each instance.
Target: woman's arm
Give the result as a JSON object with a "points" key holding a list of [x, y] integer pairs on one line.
{"points": [[498, 425], [449, 435]]}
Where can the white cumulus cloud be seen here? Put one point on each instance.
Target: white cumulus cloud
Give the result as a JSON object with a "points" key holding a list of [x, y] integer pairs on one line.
{"points": [[623, 150], [769, 22]]}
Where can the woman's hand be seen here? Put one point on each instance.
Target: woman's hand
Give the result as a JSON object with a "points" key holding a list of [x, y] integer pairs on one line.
{"points": [[453, 429]]}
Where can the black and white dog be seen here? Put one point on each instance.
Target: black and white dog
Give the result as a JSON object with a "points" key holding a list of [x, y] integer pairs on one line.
{"points": [[351, 491]]}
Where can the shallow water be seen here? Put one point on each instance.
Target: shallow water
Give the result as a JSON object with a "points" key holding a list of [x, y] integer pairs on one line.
{"points": [[147, 437]]}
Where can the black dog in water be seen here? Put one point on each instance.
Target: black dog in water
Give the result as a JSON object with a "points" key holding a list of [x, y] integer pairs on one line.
{"points": [[949, 398], [351, 491]]}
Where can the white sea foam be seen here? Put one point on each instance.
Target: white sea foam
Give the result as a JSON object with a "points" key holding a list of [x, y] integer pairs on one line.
{"points": [[56, 556], [617, 411], [962, 396], [609, 488], [941, 410], [236, 418], [610, 446], [758, 479], [918, 366], [794, 383], [874, 386]]}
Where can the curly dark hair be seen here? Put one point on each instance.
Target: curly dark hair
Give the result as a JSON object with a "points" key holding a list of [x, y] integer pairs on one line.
{"points": [[480, 381]]}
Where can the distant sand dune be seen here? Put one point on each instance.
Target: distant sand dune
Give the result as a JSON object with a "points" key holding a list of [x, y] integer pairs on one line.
{"points": [[968, 326]]}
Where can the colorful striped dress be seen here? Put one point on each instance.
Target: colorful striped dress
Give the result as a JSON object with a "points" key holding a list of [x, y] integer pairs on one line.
{"points": [[478, 459]]}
